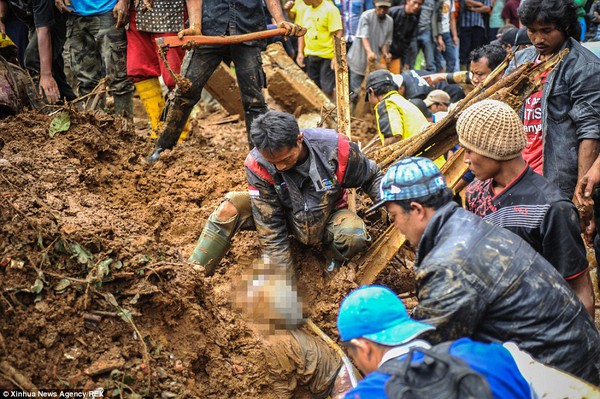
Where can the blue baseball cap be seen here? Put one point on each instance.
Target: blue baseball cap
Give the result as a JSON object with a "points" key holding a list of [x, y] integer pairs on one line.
{"points": [[377, 314], [410, 178]]}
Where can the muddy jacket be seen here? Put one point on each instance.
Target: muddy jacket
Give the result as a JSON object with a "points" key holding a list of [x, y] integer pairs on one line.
{"points": [[482, 281], [570, 110], [280, 207]]}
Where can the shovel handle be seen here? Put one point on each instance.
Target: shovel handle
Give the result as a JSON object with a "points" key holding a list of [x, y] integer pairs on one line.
{"points": [[194, 41]]}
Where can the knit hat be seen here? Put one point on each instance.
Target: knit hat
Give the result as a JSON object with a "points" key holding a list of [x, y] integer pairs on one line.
{"points": [[493, 129]]}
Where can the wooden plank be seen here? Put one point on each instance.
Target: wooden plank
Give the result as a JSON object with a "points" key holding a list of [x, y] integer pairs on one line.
{"points": [[389, 243]]}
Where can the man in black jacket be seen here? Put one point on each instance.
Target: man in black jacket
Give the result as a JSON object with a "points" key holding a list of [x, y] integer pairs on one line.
{"points": [[297, 183], [478, 280], [406, 20]]}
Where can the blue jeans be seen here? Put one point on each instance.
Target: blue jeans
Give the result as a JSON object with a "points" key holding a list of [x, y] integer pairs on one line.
{"points": [[425, 43], [448, 55]]}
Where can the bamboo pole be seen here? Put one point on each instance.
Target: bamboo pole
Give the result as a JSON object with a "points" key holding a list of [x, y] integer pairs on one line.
{"points": [[343, 101]]}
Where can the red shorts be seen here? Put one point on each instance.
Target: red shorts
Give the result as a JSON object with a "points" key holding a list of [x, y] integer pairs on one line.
{"points": [[143, 61]]}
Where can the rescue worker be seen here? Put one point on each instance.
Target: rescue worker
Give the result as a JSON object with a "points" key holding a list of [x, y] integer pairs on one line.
{"points": [[378, 333], [219, 18], [144, 65], [297, 183], [509, 194], [477, 280], [397, 118], [98, 48]]}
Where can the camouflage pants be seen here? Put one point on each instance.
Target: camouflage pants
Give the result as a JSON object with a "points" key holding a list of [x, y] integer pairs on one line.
{"points": [[98, 49]]}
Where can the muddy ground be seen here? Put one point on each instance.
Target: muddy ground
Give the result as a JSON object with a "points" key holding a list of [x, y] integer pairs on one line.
{"points": [[95, 289]]}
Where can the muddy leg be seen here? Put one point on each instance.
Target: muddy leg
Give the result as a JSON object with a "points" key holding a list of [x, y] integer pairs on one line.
{"points": [[251, 80]]}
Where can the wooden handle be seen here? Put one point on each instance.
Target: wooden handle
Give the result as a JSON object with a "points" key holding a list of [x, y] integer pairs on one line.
{"points": [[194, 41]]}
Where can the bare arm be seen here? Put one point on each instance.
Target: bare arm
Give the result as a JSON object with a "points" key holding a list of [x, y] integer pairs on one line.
{"points": [[588, 153], [194, 8], [48, 85], [582, 286], [371, 56], [274, 7], [3, 7]]}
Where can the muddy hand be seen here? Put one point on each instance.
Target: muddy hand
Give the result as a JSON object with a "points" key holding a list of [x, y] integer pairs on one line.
{"points": [[194, 30], [63, 5], [292, 29], [121, 13], [49, 88]]}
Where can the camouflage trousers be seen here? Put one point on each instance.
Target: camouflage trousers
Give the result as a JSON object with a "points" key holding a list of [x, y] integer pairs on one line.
{"points": [[98, 49]]}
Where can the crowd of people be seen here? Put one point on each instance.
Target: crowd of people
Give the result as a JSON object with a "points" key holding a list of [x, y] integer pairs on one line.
{"points": [[503, 284]]}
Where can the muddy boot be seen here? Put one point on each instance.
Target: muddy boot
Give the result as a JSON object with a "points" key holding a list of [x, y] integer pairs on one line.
{"points": [[150, 93], [215, 239], [124, 105], [213, 243], [172, 128]]}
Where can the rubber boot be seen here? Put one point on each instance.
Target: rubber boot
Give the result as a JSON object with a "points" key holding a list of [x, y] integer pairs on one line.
{"points": [[214, 242], [150, 93], [124, 105], [185, 132]]}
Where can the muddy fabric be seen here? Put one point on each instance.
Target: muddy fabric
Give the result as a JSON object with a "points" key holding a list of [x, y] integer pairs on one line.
{"points": [[198, 66], [13, 88], [478, 280], [98, 49], [346, 235], [281, 207], [300, 359]]}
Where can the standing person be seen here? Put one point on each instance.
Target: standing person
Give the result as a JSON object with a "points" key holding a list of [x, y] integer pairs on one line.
{"points": [[230, 17], [509, 194], [447, 40], [98, 47], [406, 19], [144, 65], [323, 21], [509, 13], [562, 119], [428, 32], [297, 183], [350, 11], [472, 28], [474, 279], [496, 21], [43, 55], [374, 37]]}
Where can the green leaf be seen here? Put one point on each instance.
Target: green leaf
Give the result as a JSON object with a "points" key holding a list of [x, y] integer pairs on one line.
{"points": [[83, 255], [134, 300], [60, 123], [118, 264], [103, 268], [125, 315], [62, 285], [111, 299], [37, 287]]}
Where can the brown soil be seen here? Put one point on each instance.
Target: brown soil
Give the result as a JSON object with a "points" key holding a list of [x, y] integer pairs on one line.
{"points": [[95, 290]]}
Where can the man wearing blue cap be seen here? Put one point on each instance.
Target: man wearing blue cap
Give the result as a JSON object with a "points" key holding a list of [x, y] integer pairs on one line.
{"points": [[375, 328], [478, 280]]}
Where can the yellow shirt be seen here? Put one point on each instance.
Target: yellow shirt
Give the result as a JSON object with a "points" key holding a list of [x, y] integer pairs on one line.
{"points": [[321, 23], [396, 116]]}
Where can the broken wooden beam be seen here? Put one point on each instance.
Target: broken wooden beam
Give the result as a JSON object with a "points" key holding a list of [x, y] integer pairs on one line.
{"points": [[223, 86], [289, 85], [372, 262]]}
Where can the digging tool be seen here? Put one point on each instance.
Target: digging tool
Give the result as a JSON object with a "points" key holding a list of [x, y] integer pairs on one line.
{"points": [[190, 42]]}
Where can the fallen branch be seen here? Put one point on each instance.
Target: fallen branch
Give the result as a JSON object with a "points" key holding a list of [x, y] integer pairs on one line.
{"points": [[13, 375]]}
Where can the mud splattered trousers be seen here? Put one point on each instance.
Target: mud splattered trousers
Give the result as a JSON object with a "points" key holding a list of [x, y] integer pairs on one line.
{"points": [[98, 49], [198, 66], [344, 233]]}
